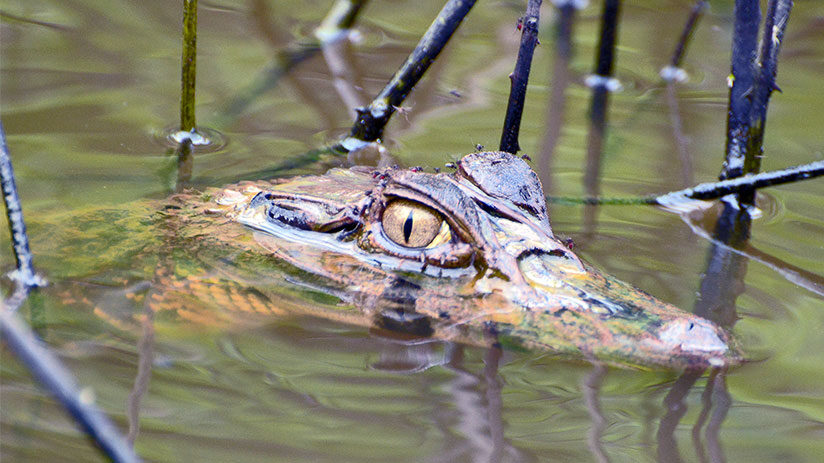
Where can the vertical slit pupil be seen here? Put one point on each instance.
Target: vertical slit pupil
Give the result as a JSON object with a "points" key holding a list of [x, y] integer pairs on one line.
{"points": [[407, 226]]}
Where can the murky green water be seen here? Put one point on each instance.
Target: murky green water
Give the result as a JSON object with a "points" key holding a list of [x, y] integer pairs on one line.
{"points": [[87, 88]]}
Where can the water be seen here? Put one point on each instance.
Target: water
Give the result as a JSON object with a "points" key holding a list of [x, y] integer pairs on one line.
{"points": [[88, 88]]}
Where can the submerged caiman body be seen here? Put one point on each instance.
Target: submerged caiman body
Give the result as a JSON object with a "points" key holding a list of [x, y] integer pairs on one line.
{"points": [[467, 256]]}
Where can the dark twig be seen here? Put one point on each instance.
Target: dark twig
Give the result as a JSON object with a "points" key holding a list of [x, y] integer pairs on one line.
{"points": [[520, 77], [745, 37], [371, 120], [48, 370], [712, 190], [189, 66], [25, 275], [606, 46], [751, 89]]}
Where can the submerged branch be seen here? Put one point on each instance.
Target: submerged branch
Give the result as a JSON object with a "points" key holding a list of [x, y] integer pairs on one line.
{"points": [[25, 274], [520, 77], [48, 370]]}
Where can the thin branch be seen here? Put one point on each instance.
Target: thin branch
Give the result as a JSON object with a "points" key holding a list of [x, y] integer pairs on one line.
{"points": [[520, 77], [189, 66], [712, 190], [44, 365], [371, 120]]}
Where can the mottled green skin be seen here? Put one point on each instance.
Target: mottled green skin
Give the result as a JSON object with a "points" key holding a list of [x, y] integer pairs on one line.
{"points": [[306, 244]]}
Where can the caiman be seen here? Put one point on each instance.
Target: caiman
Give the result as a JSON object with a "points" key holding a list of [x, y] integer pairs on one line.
{"points": [[468, 257]]}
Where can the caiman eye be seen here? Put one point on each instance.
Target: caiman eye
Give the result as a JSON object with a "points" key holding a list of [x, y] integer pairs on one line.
{"points": [[413, 225]]}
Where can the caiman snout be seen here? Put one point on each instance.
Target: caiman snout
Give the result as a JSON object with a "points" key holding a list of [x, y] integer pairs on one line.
{"points": [[571, 306]]}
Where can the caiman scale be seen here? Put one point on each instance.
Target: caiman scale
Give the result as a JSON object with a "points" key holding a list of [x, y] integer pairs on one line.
{"points": [[468, 257]]}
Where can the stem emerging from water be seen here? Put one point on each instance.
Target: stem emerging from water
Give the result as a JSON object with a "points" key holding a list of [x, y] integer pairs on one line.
{"points": [[188, 68]]}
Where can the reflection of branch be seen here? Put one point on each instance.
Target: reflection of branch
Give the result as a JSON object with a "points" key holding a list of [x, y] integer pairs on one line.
{"points": [[494, 403], [558, 83], [601, 83], [145, 350], [338, 56], [808, 280], [480, 415], [675, 410], [592, 389], [673, 73], [334, 27], [723, 401]]}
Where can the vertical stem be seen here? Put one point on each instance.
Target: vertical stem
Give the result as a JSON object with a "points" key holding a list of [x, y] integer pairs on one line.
{"points": [[753, 83], [778, 12], [744, 41], [17, 227], [609, 30], [189, 62], [520, 77]]}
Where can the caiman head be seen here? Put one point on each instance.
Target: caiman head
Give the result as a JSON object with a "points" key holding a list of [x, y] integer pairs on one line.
{"points": [[467, 256]]}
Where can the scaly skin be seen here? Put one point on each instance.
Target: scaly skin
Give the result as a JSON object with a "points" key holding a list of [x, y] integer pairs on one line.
{"points": [[260, 249]]}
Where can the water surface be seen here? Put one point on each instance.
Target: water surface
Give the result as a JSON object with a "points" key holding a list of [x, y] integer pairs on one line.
{"points": [[87, 89]]}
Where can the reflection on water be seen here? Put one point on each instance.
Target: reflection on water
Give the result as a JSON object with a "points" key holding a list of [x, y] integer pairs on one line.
{"points": [[81, 116]]}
